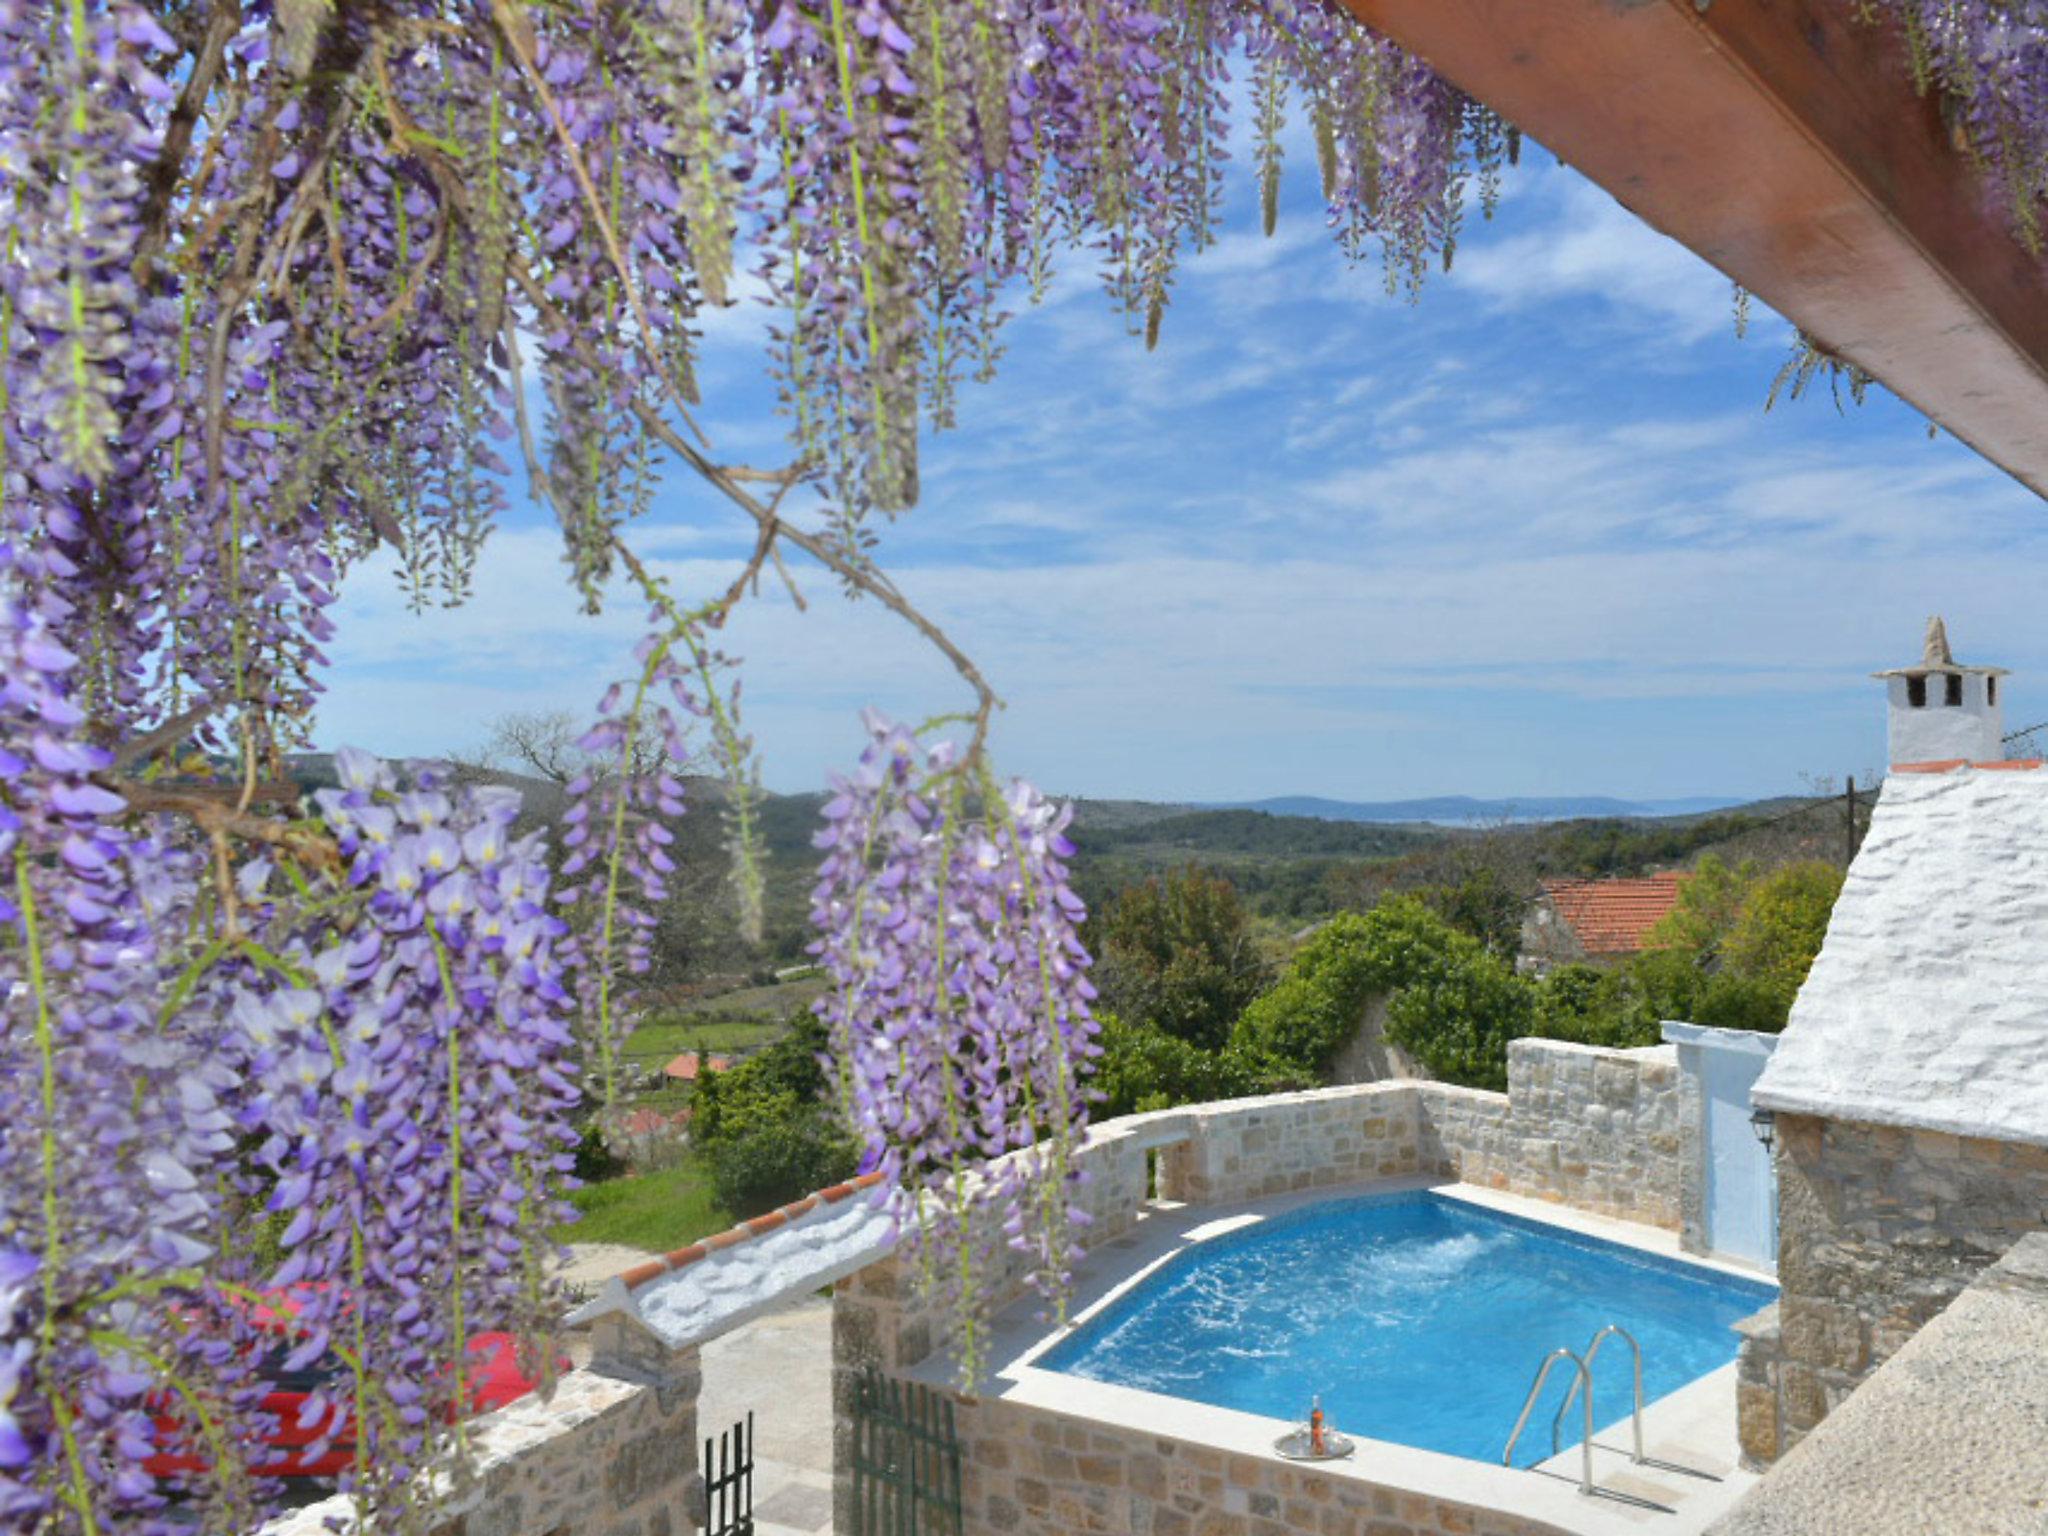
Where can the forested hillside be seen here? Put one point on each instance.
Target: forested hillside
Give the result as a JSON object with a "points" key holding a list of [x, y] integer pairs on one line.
{"points": [[1289, 871]]}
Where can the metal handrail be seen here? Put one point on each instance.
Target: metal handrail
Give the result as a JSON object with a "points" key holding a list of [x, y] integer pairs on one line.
{"points": [[1592, 1354], [1507, 1457]]}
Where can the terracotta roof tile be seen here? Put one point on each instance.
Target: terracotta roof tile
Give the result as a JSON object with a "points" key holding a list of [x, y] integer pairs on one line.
{"points": [[758, 1226], [710, 1287], [684, 1068], [1613, 917]]}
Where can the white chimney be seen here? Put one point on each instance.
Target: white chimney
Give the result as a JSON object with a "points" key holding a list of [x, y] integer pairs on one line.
{"points": [[1941, 712]]}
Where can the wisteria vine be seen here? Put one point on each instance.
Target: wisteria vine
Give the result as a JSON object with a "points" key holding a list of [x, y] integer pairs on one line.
{"points": [[958, 1010], [267, 271]]}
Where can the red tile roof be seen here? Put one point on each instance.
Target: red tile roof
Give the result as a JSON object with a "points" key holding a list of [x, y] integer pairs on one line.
{"points": [[685, 1067], [1612, 917], [1950, 764]]}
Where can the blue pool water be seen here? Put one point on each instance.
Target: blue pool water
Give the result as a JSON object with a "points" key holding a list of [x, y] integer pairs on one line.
{"points": [[1417, 1318]]}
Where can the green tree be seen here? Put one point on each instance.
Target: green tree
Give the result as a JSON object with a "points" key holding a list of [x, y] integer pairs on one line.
{"points": [[1458, 1021], [1783, 921], [789, 1065], [773, 1148], [1177, 953], [1318, 1005], [1484, 906], [1709, 903], [766, 1128]]}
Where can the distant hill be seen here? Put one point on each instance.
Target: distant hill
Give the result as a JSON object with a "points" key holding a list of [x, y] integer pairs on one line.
{"points": [[1294, 859], [1463, 810]]}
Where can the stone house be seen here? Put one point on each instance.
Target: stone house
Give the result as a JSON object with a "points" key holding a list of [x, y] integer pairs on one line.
{"points": [[1594, 922], [1909, 1092]]}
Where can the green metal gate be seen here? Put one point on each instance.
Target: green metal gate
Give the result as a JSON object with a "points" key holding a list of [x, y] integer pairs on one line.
{"points": [[906, 1459]]}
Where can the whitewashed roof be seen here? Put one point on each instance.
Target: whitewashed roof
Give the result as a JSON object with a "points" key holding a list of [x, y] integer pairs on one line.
{"points": [[711, 1287], [1928, 1004]]}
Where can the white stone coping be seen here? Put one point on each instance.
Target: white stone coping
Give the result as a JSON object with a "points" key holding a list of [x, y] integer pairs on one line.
{"points": [[1019, 1337], [735, 1282], [1744, 1042]]}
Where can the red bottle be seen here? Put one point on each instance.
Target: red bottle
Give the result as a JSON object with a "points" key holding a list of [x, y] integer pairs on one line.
{"points": [[1315, 1427]]}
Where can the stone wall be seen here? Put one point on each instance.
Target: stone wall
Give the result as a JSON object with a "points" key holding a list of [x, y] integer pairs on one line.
{"points": [[1592, 1128], [612, 1453], [1246, 1149], [1946, 1436], [1878, 1229], [1029, 1472], [1595, 1129]]}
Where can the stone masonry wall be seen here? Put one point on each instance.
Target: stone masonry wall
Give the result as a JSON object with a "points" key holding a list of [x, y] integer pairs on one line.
{"points": [[1029, 1472], [1878, 1229], [1591, 1128], [1245, 1149], [1944, 1437], [1595, 1129], [605, 1456]]}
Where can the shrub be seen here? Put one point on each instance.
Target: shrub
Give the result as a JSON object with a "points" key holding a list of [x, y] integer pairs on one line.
{"points": [[1319, 1004], [1595, 1007], [595, 1159], [1458, 1021], [1178, 954], [1144, 1068], [773, 1148]]}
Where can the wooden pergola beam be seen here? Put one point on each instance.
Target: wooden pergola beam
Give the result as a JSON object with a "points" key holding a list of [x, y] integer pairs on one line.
{"points": [[1782, 140]]}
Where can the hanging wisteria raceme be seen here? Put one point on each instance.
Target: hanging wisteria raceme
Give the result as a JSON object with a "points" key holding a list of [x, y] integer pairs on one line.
{"points": [[409, 1066], [1989, 58], [958, 1009], [616, 872]]}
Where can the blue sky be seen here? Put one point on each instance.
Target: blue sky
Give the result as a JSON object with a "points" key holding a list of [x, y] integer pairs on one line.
{"points": [[1533, 535]]}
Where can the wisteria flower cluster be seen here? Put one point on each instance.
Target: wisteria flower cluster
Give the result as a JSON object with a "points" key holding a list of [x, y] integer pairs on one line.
{"points": [[1989, 58], [410, 1076], [958, 1010], [387, 1070], [617, 867]]}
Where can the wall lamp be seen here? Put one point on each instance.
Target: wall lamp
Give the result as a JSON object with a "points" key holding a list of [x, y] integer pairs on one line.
{"points": [[1764, 1124]]}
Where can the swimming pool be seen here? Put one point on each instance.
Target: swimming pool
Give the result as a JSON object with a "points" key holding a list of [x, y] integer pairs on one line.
{"points": [[1417, 1318]]}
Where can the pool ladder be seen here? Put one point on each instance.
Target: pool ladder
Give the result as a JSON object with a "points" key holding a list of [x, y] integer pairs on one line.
{"points": [[1582, 1377]]}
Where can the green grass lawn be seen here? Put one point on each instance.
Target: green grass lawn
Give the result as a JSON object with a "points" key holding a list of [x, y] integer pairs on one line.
{"points": [[732, 1022], [664, 1210], [656, 1211]]}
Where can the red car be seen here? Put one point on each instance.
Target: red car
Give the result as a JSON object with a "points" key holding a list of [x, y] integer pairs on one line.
{"points": [[492, 1379]]}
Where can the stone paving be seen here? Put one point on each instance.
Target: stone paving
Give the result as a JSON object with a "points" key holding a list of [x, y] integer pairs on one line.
{"points": [[780, 1369]]}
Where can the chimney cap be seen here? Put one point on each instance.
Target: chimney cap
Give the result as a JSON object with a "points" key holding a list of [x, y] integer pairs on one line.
{"points": [[1936, 659]]}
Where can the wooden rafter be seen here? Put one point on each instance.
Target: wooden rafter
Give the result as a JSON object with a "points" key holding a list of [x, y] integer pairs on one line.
{"points": [[1782, 140]]}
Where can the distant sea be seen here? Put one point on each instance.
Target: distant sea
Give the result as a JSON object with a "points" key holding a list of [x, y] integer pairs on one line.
{"points": [[1464, 810]]}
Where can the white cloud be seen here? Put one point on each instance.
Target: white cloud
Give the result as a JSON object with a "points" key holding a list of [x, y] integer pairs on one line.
{"points": [[1648, 573], [1593, 248]]}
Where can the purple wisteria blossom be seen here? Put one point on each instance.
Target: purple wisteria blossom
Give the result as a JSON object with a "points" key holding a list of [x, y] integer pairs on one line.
{"points": [[958, 1009], [1989, 58]]}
